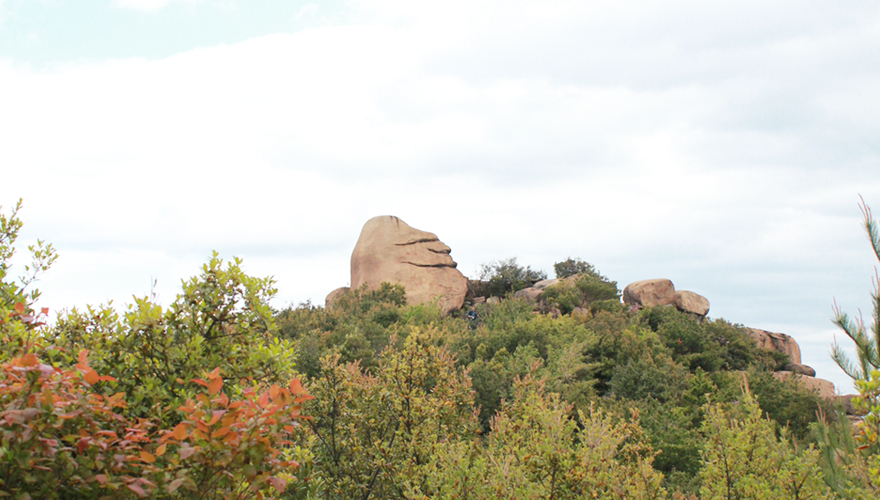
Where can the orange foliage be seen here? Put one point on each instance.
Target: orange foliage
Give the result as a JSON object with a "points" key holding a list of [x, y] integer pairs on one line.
{"points": [[59, 435]]}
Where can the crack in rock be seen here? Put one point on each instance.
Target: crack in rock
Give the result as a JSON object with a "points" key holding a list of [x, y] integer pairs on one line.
{"points": [[453, 265], [424, 240]]}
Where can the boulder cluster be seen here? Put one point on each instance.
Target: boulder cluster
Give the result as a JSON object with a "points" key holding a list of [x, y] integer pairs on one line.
{"points": [[389, 250], [661, 292]]}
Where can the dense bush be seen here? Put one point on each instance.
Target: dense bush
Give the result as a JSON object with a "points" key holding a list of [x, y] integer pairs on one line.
{"points": [[99, 407], [585, 291], [709, 345], [745, 458], [358, 328], [572, 267], [222, 319], [501, 277], [61, 439], [373, 435], [537, 450]]}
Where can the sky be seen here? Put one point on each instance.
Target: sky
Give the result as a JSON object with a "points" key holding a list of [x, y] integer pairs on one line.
{"points": [[722, 145]]}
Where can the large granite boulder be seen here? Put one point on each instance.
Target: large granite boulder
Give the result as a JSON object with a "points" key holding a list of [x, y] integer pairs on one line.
{"points": [[649, 293], [691, 302], [779, 342], [389, 250]]}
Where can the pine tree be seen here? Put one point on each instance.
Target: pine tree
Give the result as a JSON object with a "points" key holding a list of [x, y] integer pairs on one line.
{"points": [[867, 344]]}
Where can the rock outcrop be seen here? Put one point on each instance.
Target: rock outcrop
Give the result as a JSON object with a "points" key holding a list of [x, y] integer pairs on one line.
{"points": [[389, 250], [649, 293], [805, 375], [691, 302], [533, 293], [778, 342]]}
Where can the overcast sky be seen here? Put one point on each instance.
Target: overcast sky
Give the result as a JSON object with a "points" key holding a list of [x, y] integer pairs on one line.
{"points": [[722, 145]]}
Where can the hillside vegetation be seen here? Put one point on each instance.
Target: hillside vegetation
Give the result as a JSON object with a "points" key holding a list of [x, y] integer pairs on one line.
{"points": [[219, 396]]}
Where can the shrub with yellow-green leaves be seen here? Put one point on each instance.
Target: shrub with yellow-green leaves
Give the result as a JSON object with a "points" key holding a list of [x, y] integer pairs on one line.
{"points": [[744, 458], [537, 450], [222, 319], [373, 435]]}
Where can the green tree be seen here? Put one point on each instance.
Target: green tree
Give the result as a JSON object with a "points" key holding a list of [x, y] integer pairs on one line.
{"points": [[866, 465], [357, 328], [68, 432], [866, 340], [537, 450], [585, 290], [572, 267], [373, 435], [743, 458], [15, 298], [506, 276], [222, 319]]}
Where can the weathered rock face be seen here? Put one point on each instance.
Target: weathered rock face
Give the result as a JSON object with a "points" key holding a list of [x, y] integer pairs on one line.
{"points": [[332, 296], [691, 302], [823, 387], [799, 368], [390, 250], [649, 293], [779, 342]]}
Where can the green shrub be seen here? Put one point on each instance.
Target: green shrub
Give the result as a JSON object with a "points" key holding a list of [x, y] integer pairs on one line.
{"points": [[710, 345], [744, 457], [221, 319], [373, 435], [505, 276], [584, 291], [536, 449]]}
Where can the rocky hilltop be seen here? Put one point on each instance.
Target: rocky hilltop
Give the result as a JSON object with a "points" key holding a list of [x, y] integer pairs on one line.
{"points": [[389, 250]]}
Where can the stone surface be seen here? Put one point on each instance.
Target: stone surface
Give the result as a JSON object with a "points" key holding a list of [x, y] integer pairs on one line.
{"points": [[824, 388], [531, 294], [649, 293], [332, 296], [691, 302], [493, 300], [779, 342], [799, 368], [545, 283], [389, 250]]}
